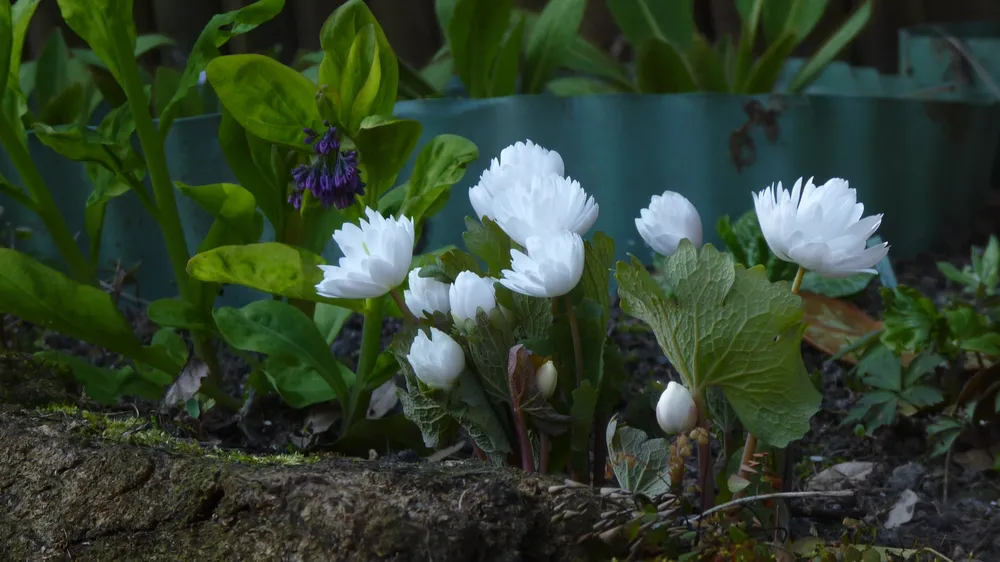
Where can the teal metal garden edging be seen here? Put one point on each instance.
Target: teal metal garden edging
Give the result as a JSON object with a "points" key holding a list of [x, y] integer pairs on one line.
{"points": [[924, 163]]}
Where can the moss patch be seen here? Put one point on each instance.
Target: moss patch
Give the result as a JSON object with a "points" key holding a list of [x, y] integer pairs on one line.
{"points": [[145, 432]]}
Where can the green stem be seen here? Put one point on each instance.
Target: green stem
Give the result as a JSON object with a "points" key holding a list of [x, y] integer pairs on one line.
{"points": [[797, 283], [574, 329], [705, 477], [401, 303], [46, 208], [163, 188], [371, 340]]}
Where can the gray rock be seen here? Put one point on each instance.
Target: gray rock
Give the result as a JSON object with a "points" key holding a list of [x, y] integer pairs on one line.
{"points": [[907, 476]]}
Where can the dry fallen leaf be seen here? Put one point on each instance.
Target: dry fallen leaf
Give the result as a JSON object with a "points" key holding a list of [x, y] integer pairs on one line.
{"points": [[383, 400], [902, 510], [835, 477]]}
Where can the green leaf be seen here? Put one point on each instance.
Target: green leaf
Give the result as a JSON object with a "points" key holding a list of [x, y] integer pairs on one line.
{"points": [[533, 314], [441, 164], [765, 72], [832, 47], [599, 256], [836, 287], [177, 313], [436, 425], [166, 81], [660, 69], [38, 294], [279, 329], [641, 465], [108, 28], [580, 86], [585, 57], [52, 70], [550, 39], [506, 68], [298, 383], [489, 342], [103, 385], [236, 146], [729, 327], [20, 15], [707, 66], [751, 11], [640, 20], [879, 367], [489, 243], [270, 267], [385, 144], [267, 98], [219, 30], [475, 33], [412, 85], [912, 321], [230, 204], [347, 74], [329, 319]]}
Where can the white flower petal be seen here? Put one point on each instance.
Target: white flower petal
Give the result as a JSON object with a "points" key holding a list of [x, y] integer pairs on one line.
{"points": [[819, 228], [552, 266], [376, 257], [544, 204], [518, 162], [667, 220], [437, 360]]}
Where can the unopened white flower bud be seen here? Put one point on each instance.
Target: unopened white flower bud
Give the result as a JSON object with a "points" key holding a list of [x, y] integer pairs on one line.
{"points": [[676, 411], [547, 377]]}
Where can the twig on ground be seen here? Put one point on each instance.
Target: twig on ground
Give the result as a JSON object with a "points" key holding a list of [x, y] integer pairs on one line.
{"points": [[741, 501]]}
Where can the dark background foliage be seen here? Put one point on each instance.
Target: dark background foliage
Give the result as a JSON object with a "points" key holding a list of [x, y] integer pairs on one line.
{"points": [[413, 30]]}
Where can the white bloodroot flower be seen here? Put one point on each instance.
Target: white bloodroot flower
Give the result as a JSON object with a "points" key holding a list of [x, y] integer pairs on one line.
{"points": [[544, 204], [667, 220], [819, 228], [426, 295], [551, 268], [377, 255], [468, 294], [546, 377], [518, 162], [438, 360], [676, 411]]}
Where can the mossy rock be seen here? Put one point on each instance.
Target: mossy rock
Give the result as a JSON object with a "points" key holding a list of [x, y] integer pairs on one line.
{"points": [[86, 487]]}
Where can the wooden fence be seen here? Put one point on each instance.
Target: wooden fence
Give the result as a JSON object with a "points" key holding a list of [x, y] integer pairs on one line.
{"points": [[414, 33]]}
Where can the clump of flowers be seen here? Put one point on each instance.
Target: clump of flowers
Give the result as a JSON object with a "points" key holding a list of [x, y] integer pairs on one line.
{"points": [[332, 175]]}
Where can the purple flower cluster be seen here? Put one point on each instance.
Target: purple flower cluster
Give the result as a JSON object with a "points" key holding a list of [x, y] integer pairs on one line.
{"points": [[332, 176]]}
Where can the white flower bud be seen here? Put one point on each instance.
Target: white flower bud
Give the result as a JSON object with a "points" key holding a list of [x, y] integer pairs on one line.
{"points": [[546, 376], [676, 411], [426, 295], [468, 294], [438, 360]]}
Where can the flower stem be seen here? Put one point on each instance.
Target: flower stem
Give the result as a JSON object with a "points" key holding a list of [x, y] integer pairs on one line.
{"points": [[527, 457], [705, 477], [574, 329], [797, 283], [401, 303], [45, 206], [544, 445], [163, 188], [371, 340], [750, 448], [788, 453]]}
